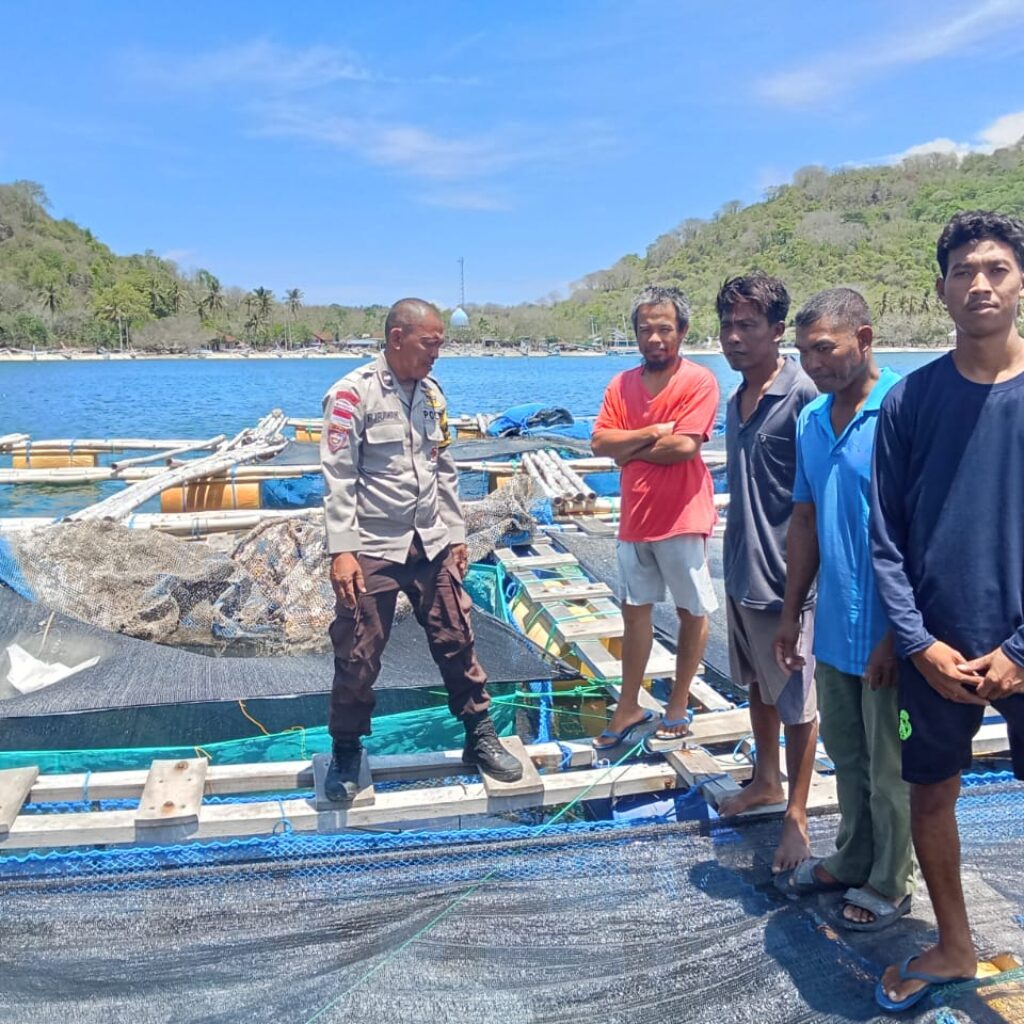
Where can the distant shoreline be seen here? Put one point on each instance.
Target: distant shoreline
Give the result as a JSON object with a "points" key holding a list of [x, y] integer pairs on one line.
{"points": [[94, 357]]}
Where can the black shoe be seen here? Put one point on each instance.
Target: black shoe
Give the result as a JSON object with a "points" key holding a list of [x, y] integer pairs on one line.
{"points": [[484, 749], [341, 783]]}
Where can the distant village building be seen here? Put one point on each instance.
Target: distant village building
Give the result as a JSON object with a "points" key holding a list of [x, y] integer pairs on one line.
{"points": [[226, 343]]}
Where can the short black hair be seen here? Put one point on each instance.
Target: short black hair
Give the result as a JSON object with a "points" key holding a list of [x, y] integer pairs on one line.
{"points": [[406, 312], [764, 291], [975, 225], [840, 307]]}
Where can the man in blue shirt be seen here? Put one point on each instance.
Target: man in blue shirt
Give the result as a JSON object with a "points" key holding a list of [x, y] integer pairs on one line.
{"points": [[856, 669], [948, 543]]}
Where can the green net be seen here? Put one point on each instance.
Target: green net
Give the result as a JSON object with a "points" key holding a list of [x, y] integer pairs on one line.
{"points": [[406, 732]]}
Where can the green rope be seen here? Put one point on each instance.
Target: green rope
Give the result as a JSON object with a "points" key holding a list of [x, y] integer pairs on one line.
{"points": [[1014, 974], [462, 897]]}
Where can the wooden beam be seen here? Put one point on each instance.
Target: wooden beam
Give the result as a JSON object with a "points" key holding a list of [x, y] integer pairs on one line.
{"points": [[15, 786], [270, 776], [708, 697], [221, 821], [511, 795], [173, 793], [365, 796], [696, 767]]}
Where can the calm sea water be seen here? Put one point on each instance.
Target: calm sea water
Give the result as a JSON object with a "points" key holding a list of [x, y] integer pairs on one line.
{"points": [[186, 398]]}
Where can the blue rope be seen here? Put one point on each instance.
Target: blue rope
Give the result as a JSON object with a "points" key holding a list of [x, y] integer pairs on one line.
{"points": [[285, 824]]}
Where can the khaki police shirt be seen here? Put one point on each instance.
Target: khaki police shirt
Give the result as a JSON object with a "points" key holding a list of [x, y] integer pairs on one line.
{"points": [[387, 471]]}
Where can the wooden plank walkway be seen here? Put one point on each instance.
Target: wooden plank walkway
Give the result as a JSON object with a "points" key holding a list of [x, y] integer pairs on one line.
{"points": [[171, 808], [564, 611]]}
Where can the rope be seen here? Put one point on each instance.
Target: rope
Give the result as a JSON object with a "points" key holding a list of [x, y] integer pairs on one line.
{"points": [[462, 897], [285, 824], [259, 725], [85, 785]]}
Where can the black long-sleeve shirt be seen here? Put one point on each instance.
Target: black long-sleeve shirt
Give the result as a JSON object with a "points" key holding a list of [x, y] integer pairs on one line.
{"points": [[947, 518]]}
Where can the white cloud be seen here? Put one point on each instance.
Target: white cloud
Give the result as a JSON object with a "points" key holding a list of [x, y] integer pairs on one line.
{"points": [[258, 62], [1003, 131], [265, 66], [402, 146], [942, 36]]}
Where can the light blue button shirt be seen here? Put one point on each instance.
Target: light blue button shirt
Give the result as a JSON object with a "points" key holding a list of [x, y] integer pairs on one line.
{"points": [[834, 473]]}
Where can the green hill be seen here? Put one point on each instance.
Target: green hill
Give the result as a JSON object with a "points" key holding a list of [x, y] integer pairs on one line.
{"points": [[872, 228]]}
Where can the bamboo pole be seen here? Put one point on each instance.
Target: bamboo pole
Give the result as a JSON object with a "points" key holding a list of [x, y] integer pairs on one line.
{"points": [[98, 474], [534, 458], [262, 440], [196, 446], [545, 488], [115, 444], [569, 480], [186, 524]]}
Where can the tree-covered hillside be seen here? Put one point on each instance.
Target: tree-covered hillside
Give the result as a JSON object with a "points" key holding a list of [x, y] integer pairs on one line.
{"points": [[872, 228], [61, 287]]}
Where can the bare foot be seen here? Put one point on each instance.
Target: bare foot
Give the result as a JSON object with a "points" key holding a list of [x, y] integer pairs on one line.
{"points": [[754, 794], [794, 846], [934, 960], [851, 912]]}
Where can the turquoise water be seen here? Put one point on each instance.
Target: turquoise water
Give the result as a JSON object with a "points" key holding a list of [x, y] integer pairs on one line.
{"points": [[185, 398]]}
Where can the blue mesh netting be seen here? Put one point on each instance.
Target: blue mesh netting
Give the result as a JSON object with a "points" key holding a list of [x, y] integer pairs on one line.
{"points": [[10, 572]]}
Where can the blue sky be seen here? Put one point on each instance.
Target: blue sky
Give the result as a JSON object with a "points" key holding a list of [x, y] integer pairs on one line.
{"points": [[356, 150]]}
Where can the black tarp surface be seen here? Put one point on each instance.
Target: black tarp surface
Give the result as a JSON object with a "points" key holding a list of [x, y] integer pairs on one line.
{"points": [[135, 674]]}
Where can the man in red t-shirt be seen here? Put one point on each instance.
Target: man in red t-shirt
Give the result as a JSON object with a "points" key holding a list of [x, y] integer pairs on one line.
{"points": [[653, 422]]}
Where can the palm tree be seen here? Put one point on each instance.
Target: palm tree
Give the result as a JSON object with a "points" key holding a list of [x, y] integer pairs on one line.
{"points": [[114, 310], [211, 299], [263, 301], [52, 297], [293, 300], [174, 296]]}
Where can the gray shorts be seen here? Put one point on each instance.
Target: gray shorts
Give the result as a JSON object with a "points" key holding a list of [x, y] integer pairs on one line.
{"points": [[680, 564], [752, 660]]}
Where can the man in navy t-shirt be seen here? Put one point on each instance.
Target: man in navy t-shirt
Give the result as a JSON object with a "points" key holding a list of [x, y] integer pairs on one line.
{"points": [[948, 550]]}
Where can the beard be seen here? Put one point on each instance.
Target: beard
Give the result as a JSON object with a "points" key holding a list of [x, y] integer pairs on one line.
{"points": [[658, 362]]}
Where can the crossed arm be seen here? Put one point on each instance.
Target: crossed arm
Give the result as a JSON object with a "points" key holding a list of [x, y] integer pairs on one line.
{"points": [[656, 444]]}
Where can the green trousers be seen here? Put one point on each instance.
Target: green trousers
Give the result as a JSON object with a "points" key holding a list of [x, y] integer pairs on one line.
{"points": [[860, 730]]}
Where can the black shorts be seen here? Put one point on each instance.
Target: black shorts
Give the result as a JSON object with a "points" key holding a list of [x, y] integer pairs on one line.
{"points": [[937, 733]]}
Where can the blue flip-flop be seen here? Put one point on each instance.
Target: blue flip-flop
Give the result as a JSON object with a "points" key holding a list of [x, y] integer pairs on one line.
{"points": [[618, 738], [933, 981], [661, 744]]}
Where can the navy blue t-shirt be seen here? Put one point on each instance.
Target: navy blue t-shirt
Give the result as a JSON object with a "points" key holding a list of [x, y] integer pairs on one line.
{"points": [[947, 518]]}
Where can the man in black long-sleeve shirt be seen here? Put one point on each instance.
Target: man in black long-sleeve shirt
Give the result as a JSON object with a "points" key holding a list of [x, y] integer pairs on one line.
{"points": [[948, 550]]}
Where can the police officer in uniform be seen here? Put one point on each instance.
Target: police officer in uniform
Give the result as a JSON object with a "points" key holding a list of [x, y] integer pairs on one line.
{"points": [[394, 524]]}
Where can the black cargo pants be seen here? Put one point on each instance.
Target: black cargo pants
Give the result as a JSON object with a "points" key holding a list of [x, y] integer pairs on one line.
{"points": [[359, 635]]}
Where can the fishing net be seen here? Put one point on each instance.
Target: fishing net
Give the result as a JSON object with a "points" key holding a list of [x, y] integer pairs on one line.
{"points": [[271, 588], [557, 924]]}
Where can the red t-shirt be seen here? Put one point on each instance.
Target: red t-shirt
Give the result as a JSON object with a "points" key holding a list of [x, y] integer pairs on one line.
{"points": [[664, 501]]}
